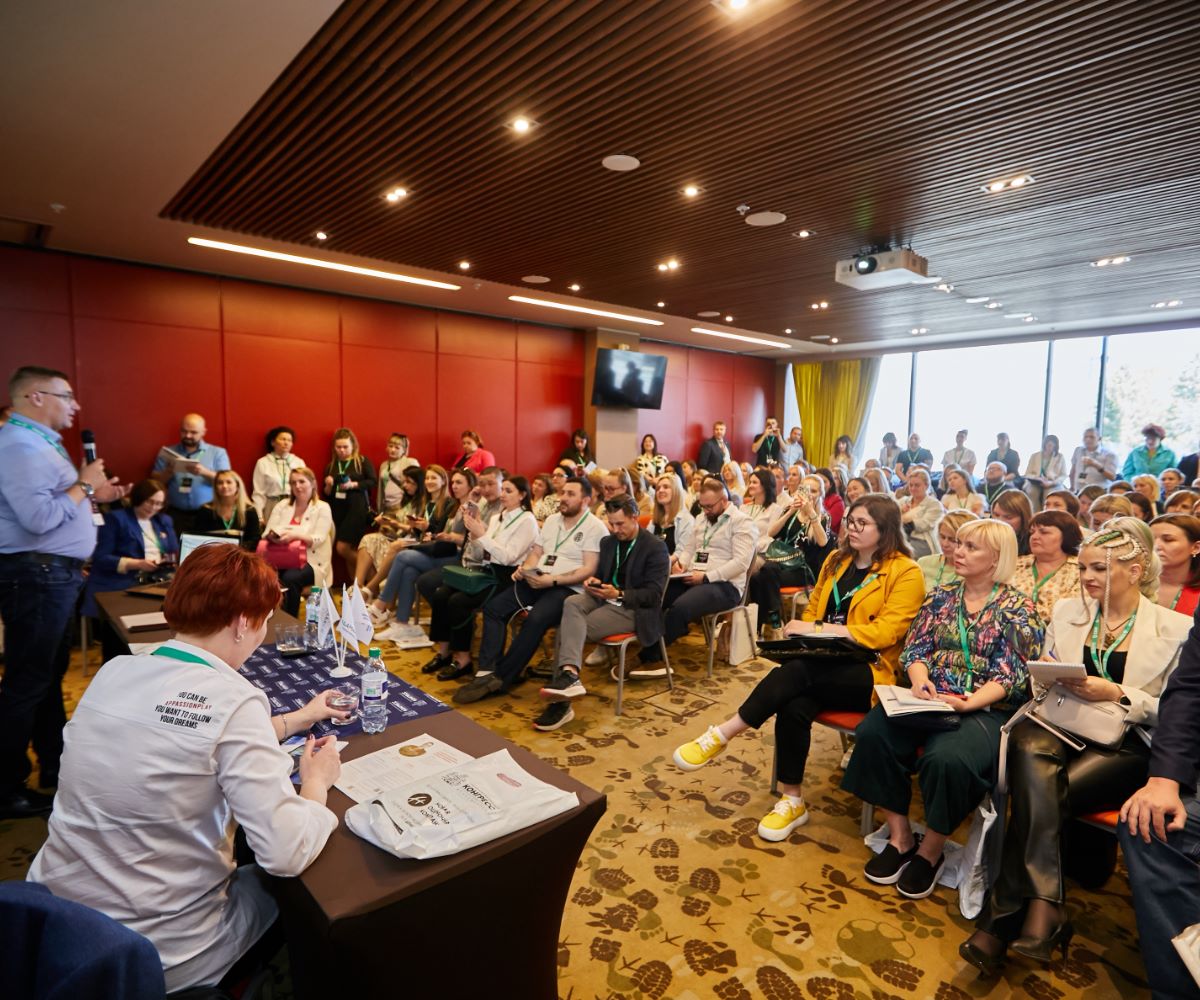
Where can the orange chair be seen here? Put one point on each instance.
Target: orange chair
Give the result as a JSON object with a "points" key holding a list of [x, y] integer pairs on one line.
{"points": [[620, 642], [799, 598], [644, 520], [1107, 820], [844, 724]]}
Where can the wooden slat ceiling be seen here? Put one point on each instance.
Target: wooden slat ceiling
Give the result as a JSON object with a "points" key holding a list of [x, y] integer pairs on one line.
{"points": [[867, 121]]}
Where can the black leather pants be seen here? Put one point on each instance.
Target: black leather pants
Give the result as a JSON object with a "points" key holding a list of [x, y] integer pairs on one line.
{"points": [[1049, 784]]}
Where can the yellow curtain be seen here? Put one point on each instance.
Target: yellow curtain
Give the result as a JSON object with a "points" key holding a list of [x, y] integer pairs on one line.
{"points": [[833, 397]]}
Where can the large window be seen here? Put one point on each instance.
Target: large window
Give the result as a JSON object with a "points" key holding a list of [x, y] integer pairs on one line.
{"points": [[889, 407], [983, 390], [1153, 378], [1074, 389]]}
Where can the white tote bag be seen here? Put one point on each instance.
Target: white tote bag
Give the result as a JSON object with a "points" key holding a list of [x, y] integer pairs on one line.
{"points": [[744, 627]]}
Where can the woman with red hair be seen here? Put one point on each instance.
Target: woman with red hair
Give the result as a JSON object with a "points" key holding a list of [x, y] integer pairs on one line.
{"points": [[168, 752]]}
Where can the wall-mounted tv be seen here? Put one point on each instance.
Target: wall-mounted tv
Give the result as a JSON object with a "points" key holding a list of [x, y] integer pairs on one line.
{"points": [[629, 378]]}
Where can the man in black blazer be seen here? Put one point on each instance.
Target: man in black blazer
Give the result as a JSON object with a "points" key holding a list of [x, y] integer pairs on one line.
{"points": [[625, 595], [1161, 856], [714, 453]]}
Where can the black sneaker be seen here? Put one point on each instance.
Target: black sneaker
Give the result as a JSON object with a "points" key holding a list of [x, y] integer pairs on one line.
{"points": [[919, 877], [557, 713], [565, 686], [478, 687], [888, 865]]}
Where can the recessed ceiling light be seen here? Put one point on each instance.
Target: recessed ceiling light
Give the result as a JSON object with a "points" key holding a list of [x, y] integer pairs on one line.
{"points": [[765, 218], [919, 329], [321, 235], [945, 286], [833, 340], [464, 265], [620, 162], [819, 336], [691, 191], [787, 329], [584, 309], [668, 265], [522, 125], [994, 305], [803, 234], [1020, 315], [709, 313], [728, 319], [328, 265], [738, 336], [535, 279], [660, 305], [820, 305], [1030, 319], [396, 194], [1167, 304], [1106, 261], [975, 299], [732, 6], [573, 287], [1007, 184]]}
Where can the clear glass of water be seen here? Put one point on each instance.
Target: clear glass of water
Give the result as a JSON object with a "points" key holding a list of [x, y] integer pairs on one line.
{"points": [[345, 699]]}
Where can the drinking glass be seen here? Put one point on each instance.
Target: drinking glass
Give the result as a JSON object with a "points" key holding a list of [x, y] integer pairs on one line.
{"points": [[345, 699]]}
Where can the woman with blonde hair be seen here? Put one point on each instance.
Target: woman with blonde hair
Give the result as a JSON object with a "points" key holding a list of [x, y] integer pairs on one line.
{"points": [[305, 518], [967, 647], [920, 513], [1107, 507], [349, 486], [938, 567], [1129, 646], [878, 481], [639, 490], [1149, 487], [671, 520], [960, 493], [229, 512], [731, 476]]}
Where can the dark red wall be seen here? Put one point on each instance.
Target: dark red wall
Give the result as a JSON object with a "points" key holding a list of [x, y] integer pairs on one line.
{"points": [[145, 345]]}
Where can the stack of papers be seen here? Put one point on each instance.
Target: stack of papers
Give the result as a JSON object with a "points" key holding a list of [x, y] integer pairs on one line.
{"points": [[901, 701], [421, 757], [144, 623]]}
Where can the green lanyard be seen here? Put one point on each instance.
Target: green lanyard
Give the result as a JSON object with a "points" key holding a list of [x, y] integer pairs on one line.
{"points": [[1099, 658], [154, 536], [838, 599], [962, 631], [941, 569], [1175, 599], [564, 533], [16, 421], [911, 457], [178, 654], [619, 558], [228, 524], [1040, 582], [284, 468], [343, 466], [788, 536], [504, 527], [710, 529]]}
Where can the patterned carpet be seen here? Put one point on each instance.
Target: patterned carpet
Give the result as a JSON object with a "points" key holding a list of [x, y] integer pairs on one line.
{"points": [[677, 898]]}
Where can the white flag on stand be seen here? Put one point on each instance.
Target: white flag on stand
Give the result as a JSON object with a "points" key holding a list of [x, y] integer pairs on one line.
{"points": [[349, 629], [327, 617], [363, 625]]}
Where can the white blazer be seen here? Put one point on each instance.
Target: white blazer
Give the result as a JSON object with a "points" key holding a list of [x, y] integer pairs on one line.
{"points": [[317, 524], [1154, 645]]}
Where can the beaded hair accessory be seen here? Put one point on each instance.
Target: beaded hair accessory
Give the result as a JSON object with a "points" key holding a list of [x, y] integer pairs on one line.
{"points": [[1110, 542]]}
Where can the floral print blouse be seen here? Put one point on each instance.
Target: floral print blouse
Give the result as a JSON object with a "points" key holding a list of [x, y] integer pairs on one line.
{"points": [[1064, 582], [1002, 638]]}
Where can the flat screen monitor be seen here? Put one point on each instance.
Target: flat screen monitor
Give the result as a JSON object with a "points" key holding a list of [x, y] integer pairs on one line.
{"points": [[190, 543], [629, 378]]}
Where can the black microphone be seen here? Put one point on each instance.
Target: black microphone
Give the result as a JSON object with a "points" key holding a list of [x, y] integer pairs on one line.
{"points": [[89, 446]]}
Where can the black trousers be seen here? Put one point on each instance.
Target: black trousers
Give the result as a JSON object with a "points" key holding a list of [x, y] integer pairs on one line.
{"points": [[453, 619], [545, 612], [294, 581], [795, 693], [765, 584], [686, 603], [1049, 784]]}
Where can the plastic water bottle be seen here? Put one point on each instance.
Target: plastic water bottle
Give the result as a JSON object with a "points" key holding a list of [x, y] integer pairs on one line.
{"points": [[312, 608], [373, 704]]}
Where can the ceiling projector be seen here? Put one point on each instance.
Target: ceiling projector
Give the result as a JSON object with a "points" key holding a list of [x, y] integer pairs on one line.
{"points": [[885, 269]]}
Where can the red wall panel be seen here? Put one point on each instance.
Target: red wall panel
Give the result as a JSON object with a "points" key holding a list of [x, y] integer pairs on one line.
{"points": [[668, 424], [33, 281], [476, 336], [136, 380], [269, 383], [710, 366], [478, 393], [384, 324], [279, 312], [708, 402], [109, 290], [549, 346], [552, 396], [385, 391]]}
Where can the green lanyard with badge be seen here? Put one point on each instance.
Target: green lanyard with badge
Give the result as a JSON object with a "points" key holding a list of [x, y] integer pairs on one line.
{"points": [[839, 599], [618, 558], [171, 653], [17, 421], [963, 635], [1040, 581], [1100, 655]]}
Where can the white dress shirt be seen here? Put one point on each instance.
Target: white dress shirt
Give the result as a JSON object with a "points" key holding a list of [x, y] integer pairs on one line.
{"points": [[721, 551], [270, 479], [1082, 476], [163, 760], [509, 538]]}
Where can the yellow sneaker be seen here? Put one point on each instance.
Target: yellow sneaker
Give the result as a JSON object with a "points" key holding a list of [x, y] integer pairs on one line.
{"points": [[782, 820], [694, 755]]}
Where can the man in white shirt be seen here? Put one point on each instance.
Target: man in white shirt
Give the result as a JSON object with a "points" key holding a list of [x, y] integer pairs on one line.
{"points": [[793, 450], [554, 570], [709, 573], [959, 455], [1091, 463]]}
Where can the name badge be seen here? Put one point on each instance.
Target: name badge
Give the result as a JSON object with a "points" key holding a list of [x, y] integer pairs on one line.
{"points": [[340, 495], [833, 619], [701, 558], [487, 557], [185, 484], [97, 518], [549, 560]]}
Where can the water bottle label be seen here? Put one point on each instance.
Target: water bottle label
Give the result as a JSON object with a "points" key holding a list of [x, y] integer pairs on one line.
{"points": [[373, 688]]}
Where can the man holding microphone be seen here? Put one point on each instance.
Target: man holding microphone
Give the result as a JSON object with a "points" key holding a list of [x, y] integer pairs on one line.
{"points": [[47, 531]]}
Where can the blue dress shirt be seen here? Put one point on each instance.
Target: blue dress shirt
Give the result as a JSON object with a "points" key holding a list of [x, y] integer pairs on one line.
{"points": [[201, 492]]}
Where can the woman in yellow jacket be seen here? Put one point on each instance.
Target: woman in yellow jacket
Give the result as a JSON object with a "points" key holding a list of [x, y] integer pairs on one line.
{"points": [[869, 589]]}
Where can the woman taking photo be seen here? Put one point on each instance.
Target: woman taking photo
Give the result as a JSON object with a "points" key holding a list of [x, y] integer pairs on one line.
{"points": [[671, 520], [134, 540], [1129, 646], [938, 568], [141, 829], [503, 546], [473, 455], [649, 462], [349, 483], [920, 513], [869, 589], [967, 647], [1012, 507], [269, 483], [439, 549], [393, 532], [1045, 472], [1177, 545], [228, 513], [306, 519], [960, 495], [1051, 570]]}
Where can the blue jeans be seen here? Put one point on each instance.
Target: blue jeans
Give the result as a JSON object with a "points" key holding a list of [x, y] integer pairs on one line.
{"points": [[36, 602], [1165, 879], [401, 584]]}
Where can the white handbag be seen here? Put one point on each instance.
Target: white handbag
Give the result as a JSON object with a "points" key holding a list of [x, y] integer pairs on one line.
{"points": [[1102, 723]]}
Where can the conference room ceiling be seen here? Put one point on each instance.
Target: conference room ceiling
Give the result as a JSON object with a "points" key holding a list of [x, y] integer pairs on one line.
{"points": [[867, 123]]}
